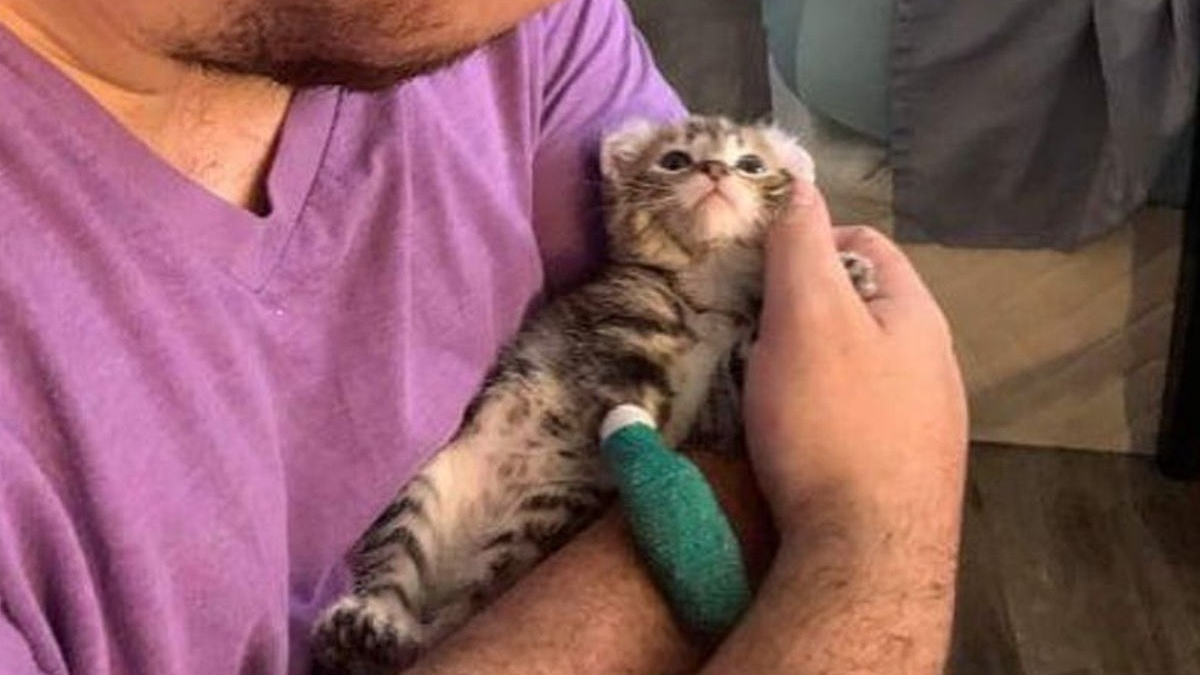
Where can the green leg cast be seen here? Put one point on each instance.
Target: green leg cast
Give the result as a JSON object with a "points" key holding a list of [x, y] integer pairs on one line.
{"points": [[678, 525]]}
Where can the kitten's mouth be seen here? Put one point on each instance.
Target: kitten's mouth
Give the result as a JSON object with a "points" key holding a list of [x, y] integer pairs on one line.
{"points": [[714, 195], [716, 206]]}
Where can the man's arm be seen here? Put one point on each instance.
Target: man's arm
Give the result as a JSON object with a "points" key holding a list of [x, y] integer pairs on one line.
{"points": [[592, 609], [844, 604], [587, 610], [856, 424]]}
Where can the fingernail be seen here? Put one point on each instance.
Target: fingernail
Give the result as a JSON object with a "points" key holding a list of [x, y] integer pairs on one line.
{"points": [[805, 193]]}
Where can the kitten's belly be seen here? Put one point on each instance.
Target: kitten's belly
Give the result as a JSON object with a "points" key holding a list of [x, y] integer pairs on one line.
{"points": [[512, 453], [692, 376], [509, 457]]}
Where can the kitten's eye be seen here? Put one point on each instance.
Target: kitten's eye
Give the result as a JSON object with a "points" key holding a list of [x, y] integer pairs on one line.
{"points": [[675, 160], [751, 164]]}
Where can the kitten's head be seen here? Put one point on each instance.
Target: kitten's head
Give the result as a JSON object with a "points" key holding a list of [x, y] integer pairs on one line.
{"points": [[679, 191]]}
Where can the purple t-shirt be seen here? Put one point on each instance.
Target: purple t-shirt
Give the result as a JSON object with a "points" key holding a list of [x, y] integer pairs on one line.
{"points": [[200, 409]]}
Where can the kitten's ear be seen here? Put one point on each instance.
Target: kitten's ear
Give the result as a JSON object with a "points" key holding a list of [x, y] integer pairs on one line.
{"points": [[793, 155], [622, 148]]}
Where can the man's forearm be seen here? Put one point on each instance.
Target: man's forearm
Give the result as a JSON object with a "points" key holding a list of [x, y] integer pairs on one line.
{"points": [[591, 609], [854, 599], [854, 594]]}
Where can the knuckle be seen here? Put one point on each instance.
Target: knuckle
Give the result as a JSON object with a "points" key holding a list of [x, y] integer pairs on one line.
{"points": [[856, 236]]}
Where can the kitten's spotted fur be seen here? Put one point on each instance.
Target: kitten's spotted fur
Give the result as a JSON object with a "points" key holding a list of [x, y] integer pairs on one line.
{"points": [[688, 204]]}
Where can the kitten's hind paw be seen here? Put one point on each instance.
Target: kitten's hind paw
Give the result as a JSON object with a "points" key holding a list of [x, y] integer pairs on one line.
{"points": [[364, 636], [862, 273]]}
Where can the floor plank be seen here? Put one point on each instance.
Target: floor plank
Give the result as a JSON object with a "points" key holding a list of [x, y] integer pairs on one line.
{"points": [[1077, 564]]}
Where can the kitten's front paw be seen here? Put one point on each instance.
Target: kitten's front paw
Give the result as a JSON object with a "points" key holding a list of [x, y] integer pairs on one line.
{"points": [[365, 636], [862, 273]]}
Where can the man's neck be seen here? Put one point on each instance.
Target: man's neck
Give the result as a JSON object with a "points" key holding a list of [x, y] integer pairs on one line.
{"points": [[219, 130]]}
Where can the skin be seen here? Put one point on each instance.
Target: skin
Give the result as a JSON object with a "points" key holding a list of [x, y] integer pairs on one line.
{"points": [[857, 429], [206, 84], [855, 411]]}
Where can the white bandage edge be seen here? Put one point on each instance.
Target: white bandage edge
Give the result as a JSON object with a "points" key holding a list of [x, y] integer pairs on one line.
{"points": [[622, 416]]}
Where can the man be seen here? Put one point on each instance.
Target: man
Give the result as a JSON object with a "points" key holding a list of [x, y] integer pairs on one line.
{"points": [[256, 256]]}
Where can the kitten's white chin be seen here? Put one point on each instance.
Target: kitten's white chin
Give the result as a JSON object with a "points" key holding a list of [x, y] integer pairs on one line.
{"points": [[714, 200], [717, 218], [718, 211]]}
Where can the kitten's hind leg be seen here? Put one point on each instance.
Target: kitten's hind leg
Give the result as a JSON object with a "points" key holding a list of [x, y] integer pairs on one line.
{"points": [[482, 513], [360, 636], [378, 627], [543, 515]]}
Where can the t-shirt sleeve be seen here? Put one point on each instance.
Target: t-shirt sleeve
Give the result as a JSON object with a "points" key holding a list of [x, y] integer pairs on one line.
{"points": [[596, 73], [15, 655]]}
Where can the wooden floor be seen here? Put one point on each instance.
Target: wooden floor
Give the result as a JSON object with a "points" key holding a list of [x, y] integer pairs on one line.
{"points": [[1077, 564]]}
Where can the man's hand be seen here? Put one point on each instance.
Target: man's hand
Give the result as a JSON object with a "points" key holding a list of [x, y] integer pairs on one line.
{"points": [[856, 424], [849, 404]]}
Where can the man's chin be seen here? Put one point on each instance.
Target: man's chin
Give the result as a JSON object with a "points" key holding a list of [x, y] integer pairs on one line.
{"points": [[356, 75], [317, 71]]}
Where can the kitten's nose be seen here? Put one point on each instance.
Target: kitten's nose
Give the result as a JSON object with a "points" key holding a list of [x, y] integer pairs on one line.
{"points": [[714, 168]]}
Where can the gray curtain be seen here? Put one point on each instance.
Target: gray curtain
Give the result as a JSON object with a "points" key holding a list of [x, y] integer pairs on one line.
{"points": [[1035, 123]]}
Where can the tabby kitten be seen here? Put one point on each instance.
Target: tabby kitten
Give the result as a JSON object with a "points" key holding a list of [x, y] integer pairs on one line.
{"points": [[688, 204]]}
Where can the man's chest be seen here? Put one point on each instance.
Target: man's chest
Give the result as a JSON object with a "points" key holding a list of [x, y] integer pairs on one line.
{"points": [[247, 430]]}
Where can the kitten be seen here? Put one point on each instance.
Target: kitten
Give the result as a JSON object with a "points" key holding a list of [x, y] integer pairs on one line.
{"points": [[688, 206]]}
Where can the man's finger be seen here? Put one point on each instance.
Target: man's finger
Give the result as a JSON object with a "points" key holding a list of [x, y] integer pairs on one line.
{"points": [[803, 272], [893, 271], [898, 284]]}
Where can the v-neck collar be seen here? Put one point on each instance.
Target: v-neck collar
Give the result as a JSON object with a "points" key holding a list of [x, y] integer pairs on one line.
{"points": [[247, 245]]}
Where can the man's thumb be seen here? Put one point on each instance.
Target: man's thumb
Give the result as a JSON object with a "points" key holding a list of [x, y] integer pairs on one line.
{"points": [[803, 270]]}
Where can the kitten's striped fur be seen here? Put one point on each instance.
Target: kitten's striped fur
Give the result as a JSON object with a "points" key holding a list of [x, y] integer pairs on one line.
{"points": [[680, 291]]}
